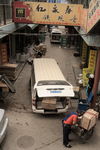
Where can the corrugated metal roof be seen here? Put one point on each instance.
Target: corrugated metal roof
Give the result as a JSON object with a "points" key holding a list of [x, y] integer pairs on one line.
{"points": [[12, 27], [9, 28]]}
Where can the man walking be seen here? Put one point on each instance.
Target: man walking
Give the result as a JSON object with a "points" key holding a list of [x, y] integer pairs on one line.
{"points": [[69, 120]]}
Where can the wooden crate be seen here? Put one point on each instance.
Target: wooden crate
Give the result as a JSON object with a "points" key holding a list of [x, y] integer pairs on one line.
{"points": [[49, 103]]}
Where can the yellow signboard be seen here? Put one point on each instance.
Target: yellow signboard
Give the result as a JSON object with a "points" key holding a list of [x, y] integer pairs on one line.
{"points": [[92, 59], [86, 71], [54, 13], [57, 13], [91, 66], [84, 52]]}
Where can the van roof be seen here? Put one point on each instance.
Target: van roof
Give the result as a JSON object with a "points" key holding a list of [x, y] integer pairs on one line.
{"points": [[47, 69], [56, 31]]}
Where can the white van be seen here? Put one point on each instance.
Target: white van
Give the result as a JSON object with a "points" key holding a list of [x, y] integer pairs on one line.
{"points": [[55, 36], [49, 87]]}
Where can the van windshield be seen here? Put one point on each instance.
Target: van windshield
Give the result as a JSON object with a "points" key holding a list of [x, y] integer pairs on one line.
{"points": [[53, 82]]}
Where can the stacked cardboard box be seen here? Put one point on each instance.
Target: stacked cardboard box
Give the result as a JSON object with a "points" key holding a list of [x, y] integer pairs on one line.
{"points": [[89, 119], [49, 104]]}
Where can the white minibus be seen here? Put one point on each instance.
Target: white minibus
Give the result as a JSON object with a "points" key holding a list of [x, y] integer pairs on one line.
{"points": [[55, 36], [49, 89]]}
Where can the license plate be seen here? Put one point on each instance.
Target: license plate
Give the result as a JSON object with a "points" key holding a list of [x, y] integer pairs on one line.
{"points": [[55, 91]]}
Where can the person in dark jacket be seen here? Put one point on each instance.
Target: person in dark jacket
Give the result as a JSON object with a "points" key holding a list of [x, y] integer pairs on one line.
{"points": [[68, 121], [90, 84]]}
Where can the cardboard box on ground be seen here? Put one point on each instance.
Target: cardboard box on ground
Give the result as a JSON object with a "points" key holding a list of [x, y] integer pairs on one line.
{"points": [[89, 119]]}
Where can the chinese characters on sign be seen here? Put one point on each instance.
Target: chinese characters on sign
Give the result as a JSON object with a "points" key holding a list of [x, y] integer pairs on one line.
{"points": [[68, 10], [48, 13], [40, 8], [55, 10], [93, 14], [57, 13], [91, 66], [92, 59]]}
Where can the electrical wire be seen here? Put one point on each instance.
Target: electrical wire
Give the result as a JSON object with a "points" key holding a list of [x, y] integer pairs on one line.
{"points": [[46, 34]]}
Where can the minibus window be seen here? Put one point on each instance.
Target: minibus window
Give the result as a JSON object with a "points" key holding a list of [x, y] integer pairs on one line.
{"points": [[40, 83]]}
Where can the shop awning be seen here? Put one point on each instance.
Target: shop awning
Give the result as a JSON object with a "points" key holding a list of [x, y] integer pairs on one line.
{"points": [[9, 28], [32, 26]]}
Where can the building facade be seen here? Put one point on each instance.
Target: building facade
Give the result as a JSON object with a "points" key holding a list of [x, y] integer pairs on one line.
{"points": [[10, 31]]}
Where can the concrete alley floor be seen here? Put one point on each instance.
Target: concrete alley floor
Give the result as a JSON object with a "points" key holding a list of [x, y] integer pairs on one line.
{"points": [[29, 131]]}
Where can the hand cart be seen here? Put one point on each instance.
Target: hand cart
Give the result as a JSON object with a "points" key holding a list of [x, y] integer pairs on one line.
{"points": [[83, 134]]}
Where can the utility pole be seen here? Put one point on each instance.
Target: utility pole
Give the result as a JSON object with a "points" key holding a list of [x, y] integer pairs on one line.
{"points": [[96, 80]]}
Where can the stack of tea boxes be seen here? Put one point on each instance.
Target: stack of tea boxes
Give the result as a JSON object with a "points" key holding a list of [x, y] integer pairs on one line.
{"points": [[89, 119]]}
